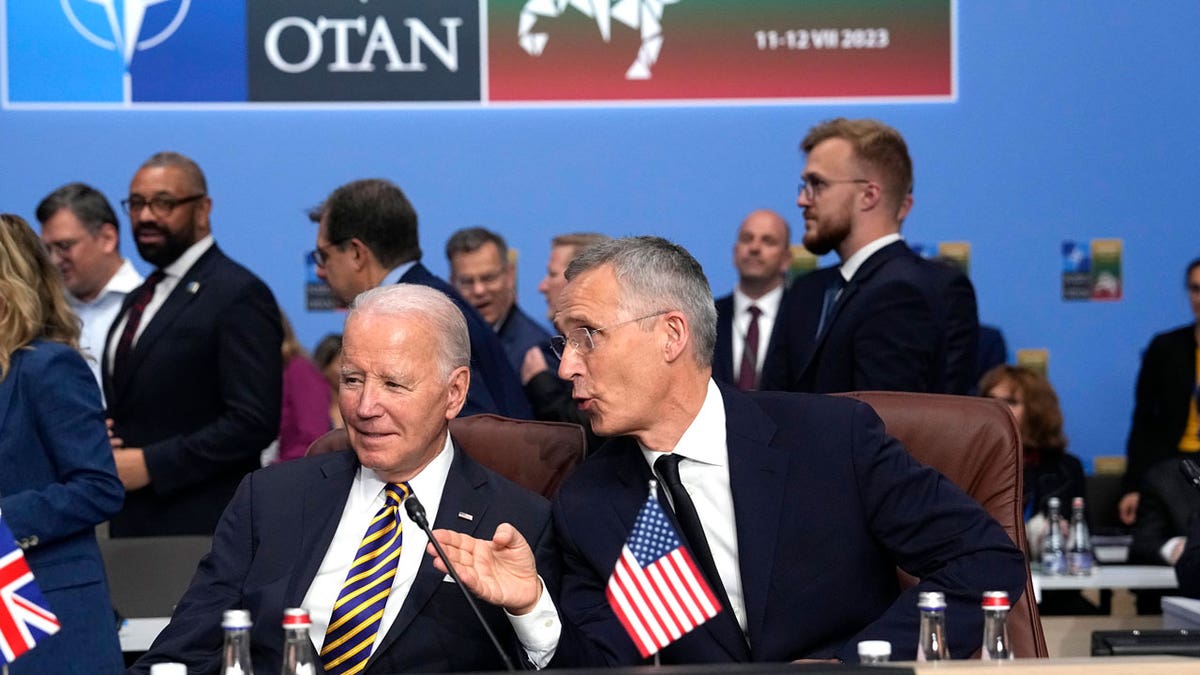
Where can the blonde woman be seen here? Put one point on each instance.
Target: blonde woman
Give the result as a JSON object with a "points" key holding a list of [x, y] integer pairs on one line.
{"points": [[59, 480]]}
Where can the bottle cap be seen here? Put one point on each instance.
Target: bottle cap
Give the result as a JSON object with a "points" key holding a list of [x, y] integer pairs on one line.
{"points": [[1053, 502], [295, 617], [931, 600], [1077, 503], [168, 669], [995, 600], [235, 618], [874, 648]]}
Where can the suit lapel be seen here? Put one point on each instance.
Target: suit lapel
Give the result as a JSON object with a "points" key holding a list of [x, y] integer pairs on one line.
{"points": [[758, 478], [466, 491], [190, 286], [861, 277], [320, 510]]}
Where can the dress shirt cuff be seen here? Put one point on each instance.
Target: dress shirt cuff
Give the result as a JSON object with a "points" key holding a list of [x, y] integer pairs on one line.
{"points": [[539, 630], [1168, 549]]}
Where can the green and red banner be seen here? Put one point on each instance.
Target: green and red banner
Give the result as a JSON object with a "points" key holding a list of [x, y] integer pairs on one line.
{"points": [[647, 50]]}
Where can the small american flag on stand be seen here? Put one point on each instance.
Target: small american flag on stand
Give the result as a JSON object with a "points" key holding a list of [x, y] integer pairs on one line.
{"points": [[656, 590], [24, 618]]}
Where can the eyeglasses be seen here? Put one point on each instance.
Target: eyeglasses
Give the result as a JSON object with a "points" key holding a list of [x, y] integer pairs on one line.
{"points": [[581, 340], [320, 257], [159, 206], [61, 247], [486, 279], [811, 187]]}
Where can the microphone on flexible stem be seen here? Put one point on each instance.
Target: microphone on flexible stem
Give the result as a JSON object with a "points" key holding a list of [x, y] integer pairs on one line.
{"points": [[1191, 471], [417, 513]]}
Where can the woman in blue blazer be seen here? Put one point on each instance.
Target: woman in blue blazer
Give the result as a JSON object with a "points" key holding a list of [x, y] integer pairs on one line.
{"points": [[59, 480]]}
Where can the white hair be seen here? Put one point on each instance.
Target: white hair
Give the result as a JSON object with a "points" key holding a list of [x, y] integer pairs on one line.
{"points": [[424, 304]]}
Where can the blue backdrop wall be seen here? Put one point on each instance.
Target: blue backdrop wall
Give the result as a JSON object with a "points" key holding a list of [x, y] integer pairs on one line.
{"points": [[1072, 122]]}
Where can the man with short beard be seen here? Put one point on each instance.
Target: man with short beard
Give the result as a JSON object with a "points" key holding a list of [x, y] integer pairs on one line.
{"points": [[192, 365], [885, 318]]}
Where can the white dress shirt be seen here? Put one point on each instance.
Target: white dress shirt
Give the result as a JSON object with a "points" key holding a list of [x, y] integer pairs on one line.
{"points": [[98, 314], [705, 474], [768, 304], [362, 503], [173, 273]]}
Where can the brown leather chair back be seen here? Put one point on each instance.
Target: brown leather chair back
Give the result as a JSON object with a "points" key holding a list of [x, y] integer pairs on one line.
{"points": [[975, 443], [536, 455]]}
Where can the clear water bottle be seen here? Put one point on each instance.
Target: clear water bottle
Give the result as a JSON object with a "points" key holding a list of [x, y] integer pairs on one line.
{"points": [[1080, 560], [235, 655], [298, 657], [931, 643], [1054, 549], [996, 645]]}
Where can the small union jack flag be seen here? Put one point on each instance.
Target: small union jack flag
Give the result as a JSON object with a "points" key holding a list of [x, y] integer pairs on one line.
{"points": [[656, 590], [24, 617]]}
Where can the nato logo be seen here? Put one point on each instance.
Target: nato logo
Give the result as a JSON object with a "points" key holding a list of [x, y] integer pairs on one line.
{"points": [[125, 51]]}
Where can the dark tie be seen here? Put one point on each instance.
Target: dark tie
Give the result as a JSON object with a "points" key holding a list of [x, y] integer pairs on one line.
{"points": [[832, 293], [747, 375], [358, 611], [667, 468], [133, 319]]}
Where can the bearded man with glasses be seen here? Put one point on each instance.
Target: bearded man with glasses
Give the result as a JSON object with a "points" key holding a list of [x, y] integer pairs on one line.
{"points": [[192, 366], [884, 318]]}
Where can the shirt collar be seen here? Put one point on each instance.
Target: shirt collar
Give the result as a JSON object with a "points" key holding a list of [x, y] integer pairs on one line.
{"points": [[426, 485], [189, 257], [851, 265], [768, 303], [123, 281], [704, 439], [393, 277]]}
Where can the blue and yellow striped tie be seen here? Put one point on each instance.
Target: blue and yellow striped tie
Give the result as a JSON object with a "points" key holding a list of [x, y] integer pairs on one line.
{"points": [[359, 607]]}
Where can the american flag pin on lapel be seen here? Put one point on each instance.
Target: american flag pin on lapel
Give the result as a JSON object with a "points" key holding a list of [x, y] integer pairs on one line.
{"points": [[193, 287], [466, 516]]}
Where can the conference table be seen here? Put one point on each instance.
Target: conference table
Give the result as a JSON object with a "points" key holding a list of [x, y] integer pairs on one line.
{"points": [[1104, 577]]}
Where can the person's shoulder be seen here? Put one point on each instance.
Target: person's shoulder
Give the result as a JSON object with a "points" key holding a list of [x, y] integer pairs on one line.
{"points": [[1179, 335], [40, 354], [225, 272]]}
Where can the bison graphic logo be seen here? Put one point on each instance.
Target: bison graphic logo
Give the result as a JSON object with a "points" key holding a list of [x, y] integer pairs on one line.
{"points": [[641, 15]]}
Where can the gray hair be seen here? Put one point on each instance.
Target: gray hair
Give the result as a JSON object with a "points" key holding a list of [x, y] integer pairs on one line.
{"points": [[654, 275], [426, 304], [86, 202]]}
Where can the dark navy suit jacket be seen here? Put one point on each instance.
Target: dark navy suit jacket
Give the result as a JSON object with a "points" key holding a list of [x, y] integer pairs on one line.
{"points": [[518, 334], [1166, 385], [201, 396], [57, 484], [495, 387], [901, 324], [826, 507], [723, 367], [271, 542]]}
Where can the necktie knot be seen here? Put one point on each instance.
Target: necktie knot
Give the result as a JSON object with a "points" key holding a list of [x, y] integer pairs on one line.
{"points": [[667, 468], [394, 494], [755, 312]]}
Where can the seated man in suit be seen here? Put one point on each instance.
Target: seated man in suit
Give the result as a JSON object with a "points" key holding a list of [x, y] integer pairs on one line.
{"points": [[801, 507], [367, 237], [885, 318], [481, 271], [746, 317], [291, 536]]}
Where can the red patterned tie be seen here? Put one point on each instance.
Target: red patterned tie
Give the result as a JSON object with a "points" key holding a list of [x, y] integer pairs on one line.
{"points": [[133, 319], [747, 375]]}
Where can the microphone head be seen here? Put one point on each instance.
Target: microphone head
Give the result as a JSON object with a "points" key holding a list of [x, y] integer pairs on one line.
{"points": [[416, 511], [1191, 471]]}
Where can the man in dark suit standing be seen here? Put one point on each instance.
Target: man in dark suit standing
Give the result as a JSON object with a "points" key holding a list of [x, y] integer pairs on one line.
{"points": [[798, 508], [192, 365], [746, 317], [884, 318], [486, 278], [367, 237], [295, 534]]}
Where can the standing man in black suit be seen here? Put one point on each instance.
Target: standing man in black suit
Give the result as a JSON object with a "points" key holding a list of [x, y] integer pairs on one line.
{"points": [[884, 318], [293, 536], [486, 278], [367, 237], [746, 317], [192, 365], [801, 507]]}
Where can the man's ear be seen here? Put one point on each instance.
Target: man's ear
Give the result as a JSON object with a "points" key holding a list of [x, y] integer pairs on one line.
{"points": [[678, 335], [456, 394]]}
